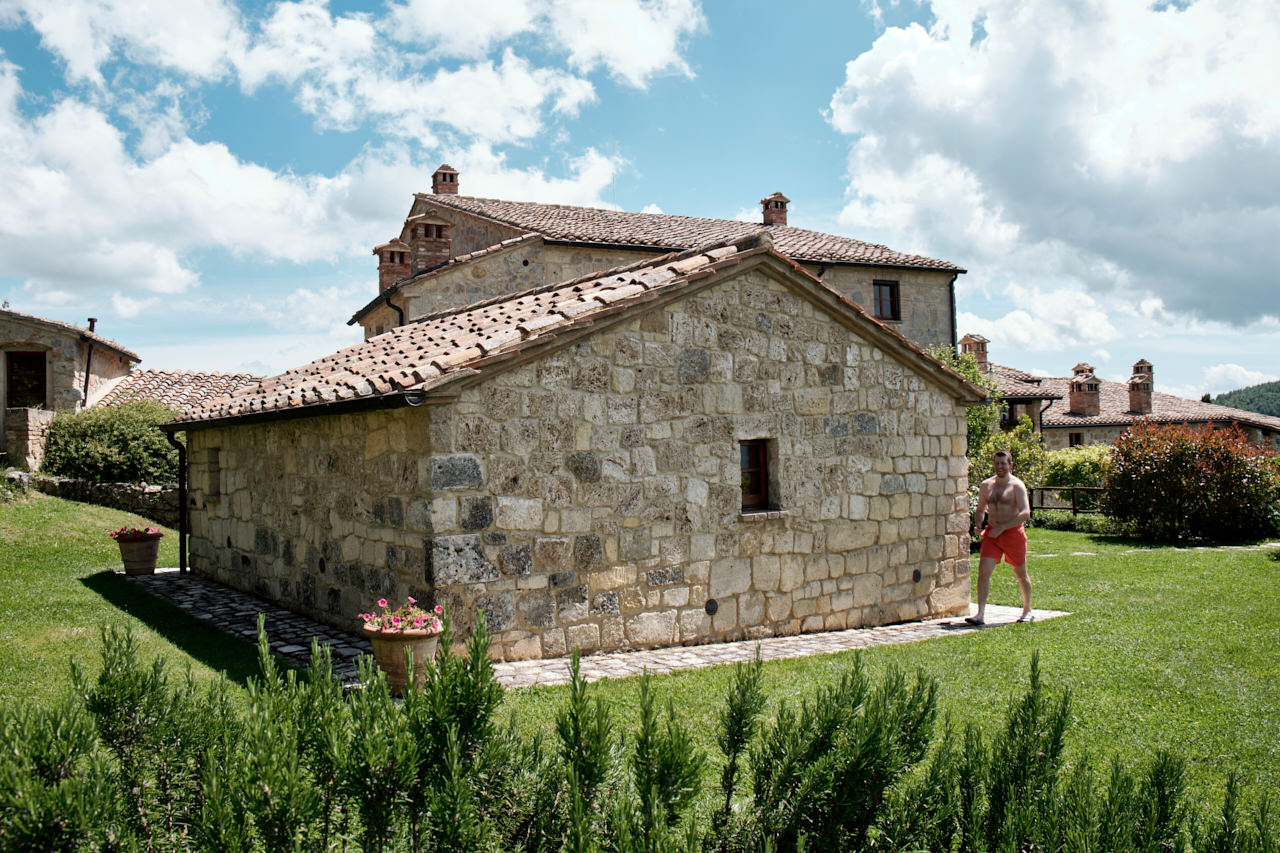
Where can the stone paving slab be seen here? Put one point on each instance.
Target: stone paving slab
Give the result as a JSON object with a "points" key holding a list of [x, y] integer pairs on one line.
{"points": [[290, 636]]}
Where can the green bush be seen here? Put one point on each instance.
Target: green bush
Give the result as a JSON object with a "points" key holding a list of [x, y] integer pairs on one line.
{"points": [[1175, 482], [133, 761], [112, 444], [1083, 465]]}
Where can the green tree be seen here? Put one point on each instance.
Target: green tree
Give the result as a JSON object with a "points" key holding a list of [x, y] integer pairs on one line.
{"points": [[983, 419], [1083, 465]]}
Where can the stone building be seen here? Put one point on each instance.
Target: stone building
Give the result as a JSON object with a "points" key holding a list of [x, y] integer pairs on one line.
{"points": [[52, 367], [49, 367], [1085, 409], [706, 445], [454, 250]]}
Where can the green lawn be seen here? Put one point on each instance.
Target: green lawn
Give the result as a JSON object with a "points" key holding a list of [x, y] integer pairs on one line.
{"points": [[59, 584], [1164, 647]]}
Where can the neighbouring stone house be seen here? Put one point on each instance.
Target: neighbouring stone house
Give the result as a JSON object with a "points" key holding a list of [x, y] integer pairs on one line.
{"points": [[51, 367], [454, 250], [706, 445], [1085, 409]]}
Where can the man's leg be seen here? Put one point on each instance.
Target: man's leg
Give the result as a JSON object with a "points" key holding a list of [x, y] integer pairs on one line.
{"points": [[986, 566], [1024, 587]]}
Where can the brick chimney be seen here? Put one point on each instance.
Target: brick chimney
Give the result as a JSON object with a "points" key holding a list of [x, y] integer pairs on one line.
{"points": [[393, 263], [1141, 384], [976, 346], [775, 209], [445, 180], [430, 242], [1081, 369], [1083, 396]]}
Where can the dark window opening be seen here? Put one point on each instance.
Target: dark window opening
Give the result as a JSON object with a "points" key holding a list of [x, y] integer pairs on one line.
{"points": [[1074, 439], [886, 301], [754, 463], [26, 387]]}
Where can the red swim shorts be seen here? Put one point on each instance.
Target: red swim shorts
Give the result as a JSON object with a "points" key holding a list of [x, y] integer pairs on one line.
{"points": [[1011, 546]]}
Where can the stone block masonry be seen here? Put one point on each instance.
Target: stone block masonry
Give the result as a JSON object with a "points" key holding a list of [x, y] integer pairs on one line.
{"points": [[591, 497]]}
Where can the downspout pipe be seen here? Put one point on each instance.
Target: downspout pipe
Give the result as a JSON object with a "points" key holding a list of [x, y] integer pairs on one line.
{"points": [[182, 502], [399, 312], [952, 289], [88, 361]]}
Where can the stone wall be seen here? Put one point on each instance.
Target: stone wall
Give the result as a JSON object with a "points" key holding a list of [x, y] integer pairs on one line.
{"points": [[25, 434], [157, 503], [924, 295], [519, 268], [592, 497]]}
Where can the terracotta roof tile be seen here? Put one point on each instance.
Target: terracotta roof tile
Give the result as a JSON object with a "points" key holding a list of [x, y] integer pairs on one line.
{"points": [[423, 353], [664, 231], [1013, 384], [1113, 405], [178, 389]]}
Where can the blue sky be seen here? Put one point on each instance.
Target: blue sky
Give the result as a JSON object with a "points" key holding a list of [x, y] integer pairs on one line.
{"points": [[207, 179]]}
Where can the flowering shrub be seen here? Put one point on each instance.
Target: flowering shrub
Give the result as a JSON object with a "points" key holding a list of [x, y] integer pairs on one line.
{"points": [[135, 534], [408, 616], [1175, 482]]}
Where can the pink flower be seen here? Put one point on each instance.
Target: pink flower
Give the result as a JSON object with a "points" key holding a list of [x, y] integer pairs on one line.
{"points": [[395, 621], [439, 608], [413, 600], [382, 602]]}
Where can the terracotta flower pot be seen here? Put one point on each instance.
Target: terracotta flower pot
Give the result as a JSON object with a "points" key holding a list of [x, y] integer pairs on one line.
{"points": [[140, 554], [388, 651]]}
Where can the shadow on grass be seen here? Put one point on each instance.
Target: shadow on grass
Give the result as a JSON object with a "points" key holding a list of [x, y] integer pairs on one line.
{"points": [[235, 658]]}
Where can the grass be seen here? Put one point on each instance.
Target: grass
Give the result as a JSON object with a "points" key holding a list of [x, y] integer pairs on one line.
{"points": [[1164, 647], [59, 585]]}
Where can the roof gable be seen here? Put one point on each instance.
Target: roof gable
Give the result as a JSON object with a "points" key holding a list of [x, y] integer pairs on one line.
{"points": [[424, 356], [69, 330]]}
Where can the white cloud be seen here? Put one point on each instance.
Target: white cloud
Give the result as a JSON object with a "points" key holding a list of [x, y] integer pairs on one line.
{"points": [[633, 39], [192, 37], [999, 138], [462, 28], [651, 208], [1219, 378]]}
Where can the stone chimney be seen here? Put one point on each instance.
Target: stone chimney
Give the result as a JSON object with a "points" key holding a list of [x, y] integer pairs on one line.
{"points": [[775, 209], [1141, 384], [393, 263], [976, 345], [1083, 396], [445, 180], [430, 242], [1081, 369]]}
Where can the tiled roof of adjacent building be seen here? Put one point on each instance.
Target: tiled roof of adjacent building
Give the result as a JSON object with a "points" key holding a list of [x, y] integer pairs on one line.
{"points": [[80, 331], [1013, 384], [438, 348], [1113, 405], [184, 390], [565, 223]]}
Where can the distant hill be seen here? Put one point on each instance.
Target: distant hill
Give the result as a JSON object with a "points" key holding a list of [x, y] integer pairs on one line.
{"points": [[1264, 399]]}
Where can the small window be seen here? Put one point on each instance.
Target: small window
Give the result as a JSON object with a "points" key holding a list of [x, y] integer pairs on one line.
{"points": [[27, 384], [755, 475], [1074, 439], [886, 300], [213, 473]]}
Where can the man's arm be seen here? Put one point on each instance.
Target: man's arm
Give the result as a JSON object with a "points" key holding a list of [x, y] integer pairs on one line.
{"points": [[980, 508]]}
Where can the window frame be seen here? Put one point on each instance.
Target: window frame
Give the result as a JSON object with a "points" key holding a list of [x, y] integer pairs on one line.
{"points": [[1075, 439], [758, 501], [885, 291]]}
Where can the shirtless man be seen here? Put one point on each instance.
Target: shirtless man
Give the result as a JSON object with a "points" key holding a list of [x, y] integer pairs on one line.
{"points": [[1004, 499]]}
